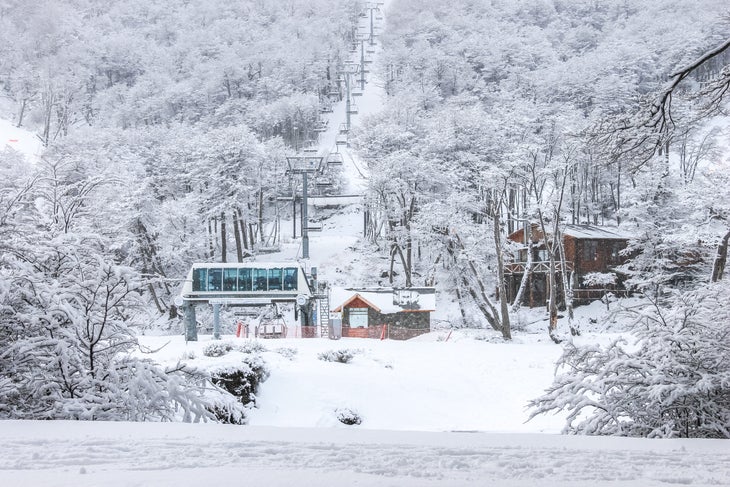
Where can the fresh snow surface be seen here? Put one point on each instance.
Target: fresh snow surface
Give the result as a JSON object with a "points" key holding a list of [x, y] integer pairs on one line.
{"points": [[20, 140], [62, 454]]}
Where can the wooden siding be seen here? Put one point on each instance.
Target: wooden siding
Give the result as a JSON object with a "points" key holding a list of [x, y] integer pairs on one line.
{"points": [[604, 259], [398, 326]]}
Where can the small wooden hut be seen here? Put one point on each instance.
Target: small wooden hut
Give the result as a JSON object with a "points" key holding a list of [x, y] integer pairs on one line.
{"points": [[396, 313]]}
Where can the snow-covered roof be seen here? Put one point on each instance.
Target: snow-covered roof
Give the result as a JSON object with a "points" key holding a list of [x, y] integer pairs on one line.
{"points": [[249, 264], [596, 232], [387, 300]]}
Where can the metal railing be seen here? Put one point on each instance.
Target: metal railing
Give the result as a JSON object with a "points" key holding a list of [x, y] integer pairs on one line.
{"points": [[538, 267]]}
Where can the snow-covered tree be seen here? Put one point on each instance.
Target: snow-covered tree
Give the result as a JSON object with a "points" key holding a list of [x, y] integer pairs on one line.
{"points": [[673, 380]]}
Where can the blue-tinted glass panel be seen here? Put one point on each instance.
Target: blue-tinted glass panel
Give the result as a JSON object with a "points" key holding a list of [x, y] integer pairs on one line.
{"points": [[259, 280], [290, 279], [229, 279], [244, 280], [200, 279], [274, 279], [215, 279]]}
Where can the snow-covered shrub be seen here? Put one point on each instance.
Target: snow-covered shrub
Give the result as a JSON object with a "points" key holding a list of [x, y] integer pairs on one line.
{"points": [[227, 409], [250, 346], [242, 380], [673, 382], [188, 355], [287, 352], [217, 349], [343, 356], [348, 416], [596, 279]]}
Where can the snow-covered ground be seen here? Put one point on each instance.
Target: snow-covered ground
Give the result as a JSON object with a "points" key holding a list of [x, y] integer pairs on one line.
{"points": [[66, 454], [20, 140], [435, 412]]}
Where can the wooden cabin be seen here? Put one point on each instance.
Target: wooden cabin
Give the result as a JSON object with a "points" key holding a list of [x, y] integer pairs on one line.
{"points": [[395, 313], [588, 249]]}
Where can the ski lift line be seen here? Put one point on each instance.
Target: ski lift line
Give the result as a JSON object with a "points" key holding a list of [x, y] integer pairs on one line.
{"points": [[352, 160]]}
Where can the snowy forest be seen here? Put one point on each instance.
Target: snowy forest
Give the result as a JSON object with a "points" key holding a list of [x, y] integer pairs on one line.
{"points": [[166, 124]]}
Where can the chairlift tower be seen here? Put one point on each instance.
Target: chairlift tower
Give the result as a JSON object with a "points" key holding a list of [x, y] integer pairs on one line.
{"points": [[304, 166], [348, 70], [372, 7], [362, 64]]}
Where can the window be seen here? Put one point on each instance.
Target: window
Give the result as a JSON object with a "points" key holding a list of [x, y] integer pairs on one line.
{"points": [[290, 279], [274, 279], [229, 279], [259, 280], [616, 249], [358, 317], [590, 250], [244, 280], [200, 279], [215, 279]]}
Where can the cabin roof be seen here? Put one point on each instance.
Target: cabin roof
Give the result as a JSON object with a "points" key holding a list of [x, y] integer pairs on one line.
{"points": [[596, 232], [386, 300], [248, 264], [581, 232]]}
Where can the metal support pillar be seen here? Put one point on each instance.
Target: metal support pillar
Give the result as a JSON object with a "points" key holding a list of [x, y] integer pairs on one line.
{"points": [[191, 325], [372, 33], [362, 64], [294, 217], [305, 229], [216, 321], [304, 165], [347, 103]]}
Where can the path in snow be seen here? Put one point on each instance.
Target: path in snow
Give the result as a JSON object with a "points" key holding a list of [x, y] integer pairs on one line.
{"points": [[59, 453], [331, 250], [371, 101]]}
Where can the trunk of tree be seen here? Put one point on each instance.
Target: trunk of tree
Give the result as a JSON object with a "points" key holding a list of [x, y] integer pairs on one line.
{"points": [[261, 214], [151, 263], [406, 265], [224, 238], [392, 262], [504, 306], [485, 305], [251, 236], [460, 299], [160, 308], [525, 281], [553, 299], [21, 113], [237, 238], [47, 103], [567, 290], [242, 227], [430, 279], [718, 267], [211, 242]]}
